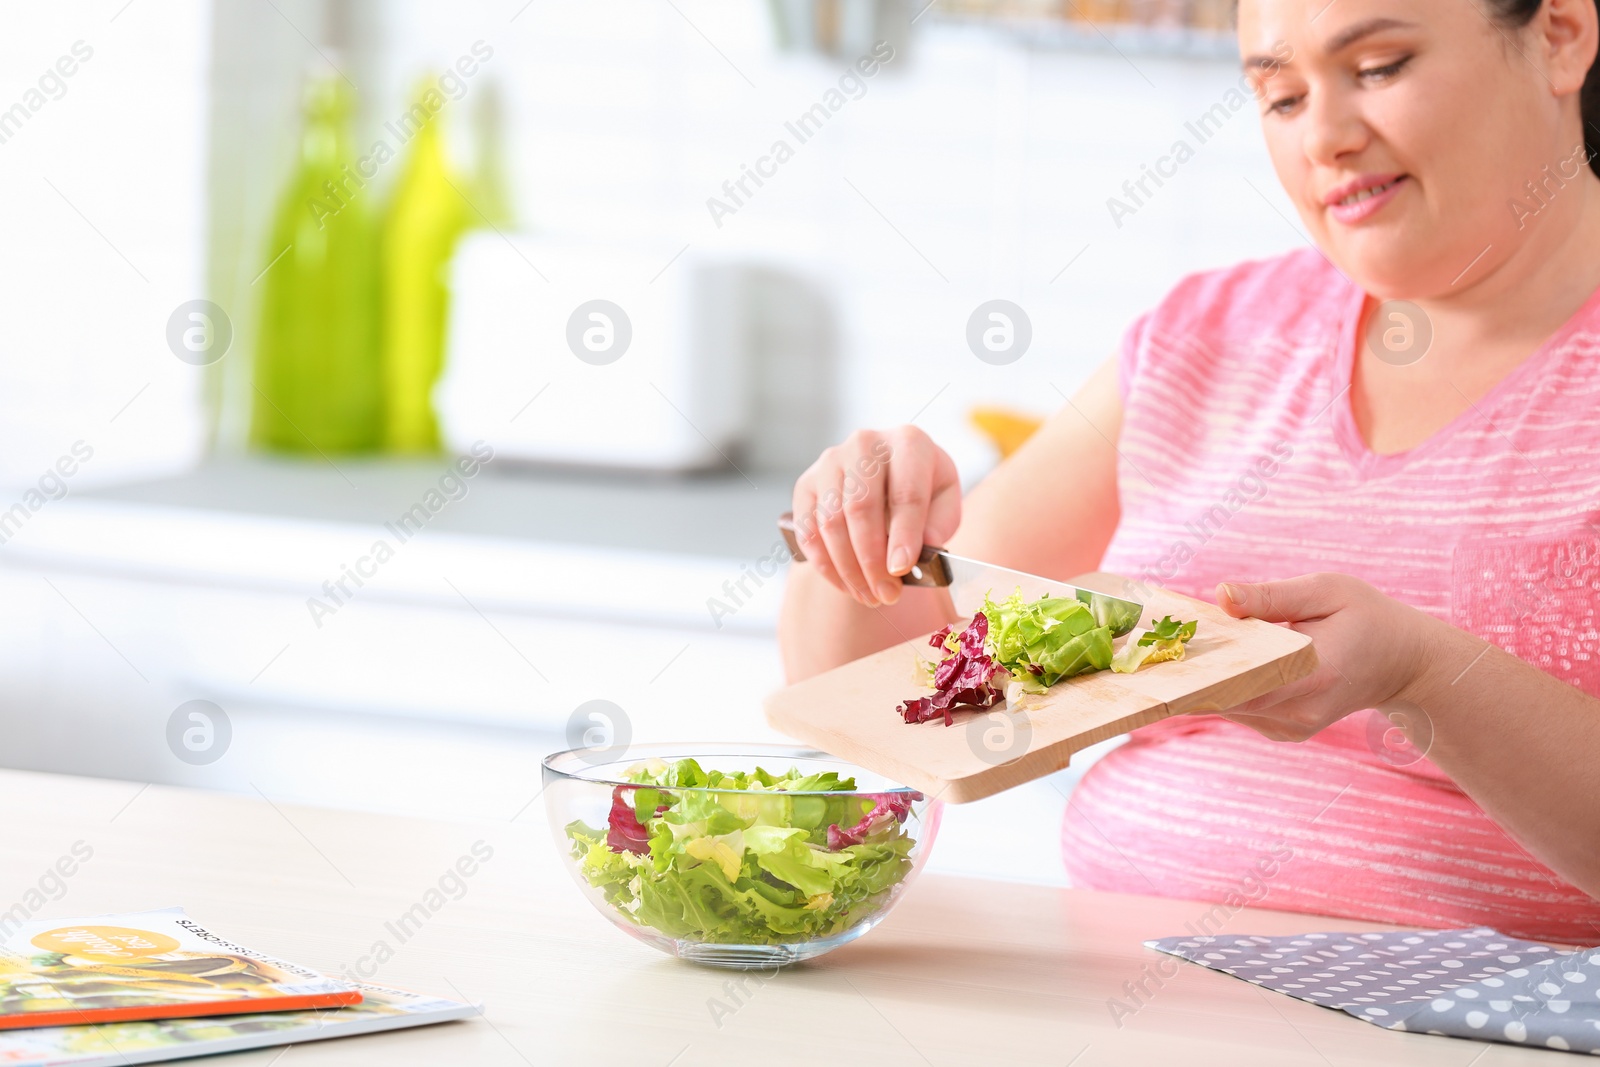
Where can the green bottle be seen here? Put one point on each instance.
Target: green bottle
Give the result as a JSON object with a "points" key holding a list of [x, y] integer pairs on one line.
{"points": [[317, 378], [425, 220]]}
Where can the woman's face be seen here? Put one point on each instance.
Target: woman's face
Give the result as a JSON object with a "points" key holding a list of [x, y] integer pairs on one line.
{"points": [[1405, 131]]}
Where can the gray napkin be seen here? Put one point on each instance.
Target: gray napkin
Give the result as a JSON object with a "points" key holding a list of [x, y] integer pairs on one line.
{"points": [[1474, 983]]}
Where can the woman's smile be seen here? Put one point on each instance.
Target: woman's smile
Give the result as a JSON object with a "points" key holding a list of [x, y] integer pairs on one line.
{"points": [[1360, 198]]}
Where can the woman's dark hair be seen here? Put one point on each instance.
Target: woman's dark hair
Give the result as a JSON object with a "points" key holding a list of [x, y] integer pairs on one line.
{"points": [[1516, 14]]}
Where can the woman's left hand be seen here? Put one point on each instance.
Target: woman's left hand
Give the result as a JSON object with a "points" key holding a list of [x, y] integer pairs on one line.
{"points": [[1370, 649]]}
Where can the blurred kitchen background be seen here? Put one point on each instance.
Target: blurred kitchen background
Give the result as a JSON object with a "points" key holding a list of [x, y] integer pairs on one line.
{"points": [[271, 266]]}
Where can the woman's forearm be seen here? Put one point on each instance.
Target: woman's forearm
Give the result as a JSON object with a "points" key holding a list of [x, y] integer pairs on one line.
{"points": [[1523, 745]]}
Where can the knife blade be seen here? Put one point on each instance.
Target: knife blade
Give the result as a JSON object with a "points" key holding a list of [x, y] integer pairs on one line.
{"points": [[971, 580]]}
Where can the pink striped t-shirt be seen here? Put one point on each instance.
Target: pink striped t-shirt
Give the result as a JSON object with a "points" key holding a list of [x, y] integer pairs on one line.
{"points": [[1241, 461]]}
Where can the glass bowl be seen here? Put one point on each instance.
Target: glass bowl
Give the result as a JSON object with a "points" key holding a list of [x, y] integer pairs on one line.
{"points": [[735, 877]]}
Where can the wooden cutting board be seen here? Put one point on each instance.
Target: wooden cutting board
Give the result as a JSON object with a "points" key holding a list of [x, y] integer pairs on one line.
{"points": [[850, 710]]}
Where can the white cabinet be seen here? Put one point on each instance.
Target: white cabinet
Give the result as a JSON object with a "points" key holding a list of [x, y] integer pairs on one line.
{"points": [[434, 685]]}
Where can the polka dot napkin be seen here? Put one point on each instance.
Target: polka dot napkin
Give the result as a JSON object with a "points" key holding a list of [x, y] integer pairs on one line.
{"points": [[1465, 983]]}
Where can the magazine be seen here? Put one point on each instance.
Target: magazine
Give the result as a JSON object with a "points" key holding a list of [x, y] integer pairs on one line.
{"points": [[156, 1041], [144, 965]]}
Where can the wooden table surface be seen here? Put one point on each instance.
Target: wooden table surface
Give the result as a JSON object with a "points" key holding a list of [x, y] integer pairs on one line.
{"points": [[963, 972]]}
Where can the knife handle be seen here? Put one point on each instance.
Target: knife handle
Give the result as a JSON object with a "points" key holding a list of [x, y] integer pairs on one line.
{"points": [[931, 570]]}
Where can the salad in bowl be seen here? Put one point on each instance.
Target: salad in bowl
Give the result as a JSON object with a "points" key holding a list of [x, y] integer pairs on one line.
{"points": [[739, 855]]}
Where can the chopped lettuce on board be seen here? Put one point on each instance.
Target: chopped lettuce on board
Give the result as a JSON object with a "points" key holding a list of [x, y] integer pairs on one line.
{"points": [[1012, 645], [1167, 640], [1016, 647], [790, 857]]}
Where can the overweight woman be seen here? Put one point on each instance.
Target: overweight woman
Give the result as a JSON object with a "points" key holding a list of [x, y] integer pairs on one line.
{"points": [[1390, 442]]}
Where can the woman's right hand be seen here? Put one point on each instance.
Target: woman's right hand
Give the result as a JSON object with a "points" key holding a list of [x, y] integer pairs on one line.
{"points": [[865, 508]]}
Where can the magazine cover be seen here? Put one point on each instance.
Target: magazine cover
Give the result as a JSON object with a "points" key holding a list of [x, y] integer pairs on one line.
{"points": [[144, 965], [156, 1041]]}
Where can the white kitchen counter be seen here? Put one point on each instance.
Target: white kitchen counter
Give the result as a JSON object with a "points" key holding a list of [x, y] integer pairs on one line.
{"points": [[627, 548], [722, 514], [512, 605]]}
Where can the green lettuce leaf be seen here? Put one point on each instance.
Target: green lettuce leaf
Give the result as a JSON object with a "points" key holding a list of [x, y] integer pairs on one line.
{"points": [[1162, 642]]}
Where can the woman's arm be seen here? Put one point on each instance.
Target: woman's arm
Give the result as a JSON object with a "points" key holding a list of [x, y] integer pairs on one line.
{"points": [[1048, 509], [1523, 745]]}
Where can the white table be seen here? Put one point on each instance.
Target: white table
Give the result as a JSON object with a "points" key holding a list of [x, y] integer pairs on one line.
{"points": [[964, 972]]}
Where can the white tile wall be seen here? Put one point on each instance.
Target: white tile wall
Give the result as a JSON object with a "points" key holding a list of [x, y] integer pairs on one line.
{"points": [[105, 197], [992, 160]]}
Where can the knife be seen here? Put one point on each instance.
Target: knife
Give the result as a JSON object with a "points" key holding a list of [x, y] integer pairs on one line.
{"points": [[970, 580]]}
